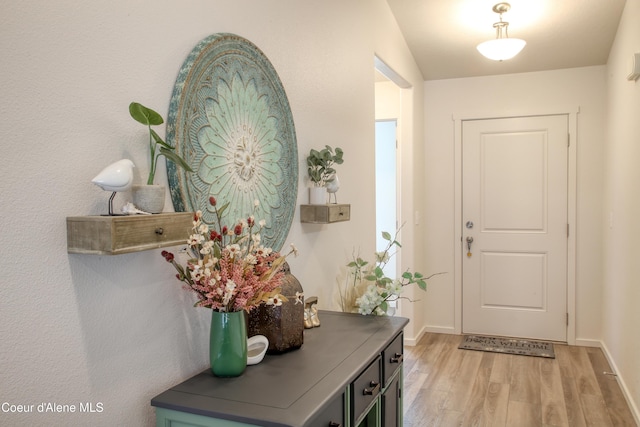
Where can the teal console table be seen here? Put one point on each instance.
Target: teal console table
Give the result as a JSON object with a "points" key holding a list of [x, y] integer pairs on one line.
{"points": [[347, 373]]}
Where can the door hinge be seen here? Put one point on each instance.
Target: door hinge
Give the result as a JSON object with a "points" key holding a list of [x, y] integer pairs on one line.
{"points": [[567, 230], [568, 140], [567, 319]]}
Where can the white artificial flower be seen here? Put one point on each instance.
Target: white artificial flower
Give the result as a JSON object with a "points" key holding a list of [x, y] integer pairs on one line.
{"points": [[275, 301], [395, 287], [229, 288], [371, 298], [195, 239], [207, 247], [233, 249], [264, 251], [196, 221], [382, 257], [250, 259], [196, 272]]}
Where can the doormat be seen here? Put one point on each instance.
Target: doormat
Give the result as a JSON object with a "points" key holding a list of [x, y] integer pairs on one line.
{"points": [[508, 345]]}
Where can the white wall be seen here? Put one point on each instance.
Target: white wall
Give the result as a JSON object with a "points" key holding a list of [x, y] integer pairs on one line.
{"points": [[508, 94], [621, 285], [395, 102], [119, 330], [387, 102], [392, 50]]}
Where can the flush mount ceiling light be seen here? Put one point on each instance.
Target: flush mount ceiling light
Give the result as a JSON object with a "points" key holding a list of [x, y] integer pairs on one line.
{"points": [[502, 47]]}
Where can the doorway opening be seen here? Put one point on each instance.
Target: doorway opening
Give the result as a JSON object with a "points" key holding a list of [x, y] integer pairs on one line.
{"points": [[388, 130], [386, 187]]}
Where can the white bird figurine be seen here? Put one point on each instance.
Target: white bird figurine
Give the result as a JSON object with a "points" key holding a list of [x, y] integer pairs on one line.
{"points": [[333, 185], [116, 177]]}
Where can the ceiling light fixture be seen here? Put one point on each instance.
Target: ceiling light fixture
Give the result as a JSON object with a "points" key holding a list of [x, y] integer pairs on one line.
{"points": [[502, 47]]}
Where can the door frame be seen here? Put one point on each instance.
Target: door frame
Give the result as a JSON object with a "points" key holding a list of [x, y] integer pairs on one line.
{"points": [[571, 113]]}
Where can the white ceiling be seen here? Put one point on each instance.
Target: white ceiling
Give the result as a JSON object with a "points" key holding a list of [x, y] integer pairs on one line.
{"points": [[443, 34]]}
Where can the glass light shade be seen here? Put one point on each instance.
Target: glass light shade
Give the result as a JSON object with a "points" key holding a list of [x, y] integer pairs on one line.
{"points": [[501, 49]]}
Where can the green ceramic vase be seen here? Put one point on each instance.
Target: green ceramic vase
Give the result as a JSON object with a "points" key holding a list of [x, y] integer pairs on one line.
{"points": [[228, 343]]}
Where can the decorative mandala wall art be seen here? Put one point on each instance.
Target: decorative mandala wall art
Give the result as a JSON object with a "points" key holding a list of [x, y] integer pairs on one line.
{"points": [[230, 119]]}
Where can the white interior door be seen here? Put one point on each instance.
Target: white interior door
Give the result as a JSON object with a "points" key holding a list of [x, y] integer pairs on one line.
{"points": [[514, 207]]}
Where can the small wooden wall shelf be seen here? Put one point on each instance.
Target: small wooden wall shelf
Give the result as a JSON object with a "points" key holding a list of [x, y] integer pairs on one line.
{"points": [[325, 214], [113, 235]]}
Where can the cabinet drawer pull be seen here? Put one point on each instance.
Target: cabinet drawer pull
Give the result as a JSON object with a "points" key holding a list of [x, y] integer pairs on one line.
{"points": [[371, 391], [397, 358], [159, 231], [334, 424]]}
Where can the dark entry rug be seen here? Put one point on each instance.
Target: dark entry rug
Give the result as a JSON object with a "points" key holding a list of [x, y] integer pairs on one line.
{"points": [[508, 345]]}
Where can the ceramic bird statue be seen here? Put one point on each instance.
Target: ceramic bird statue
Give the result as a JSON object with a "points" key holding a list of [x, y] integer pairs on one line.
{"points": [[116, 177], [333, 185]]}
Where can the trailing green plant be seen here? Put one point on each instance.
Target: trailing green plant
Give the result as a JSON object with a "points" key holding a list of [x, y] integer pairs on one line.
{"points": [[157, 146], [366, 287], [320, 164]]}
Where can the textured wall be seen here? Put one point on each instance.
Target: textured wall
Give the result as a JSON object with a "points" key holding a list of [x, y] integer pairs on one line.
{"points": [[119, 330], [621, 290]]}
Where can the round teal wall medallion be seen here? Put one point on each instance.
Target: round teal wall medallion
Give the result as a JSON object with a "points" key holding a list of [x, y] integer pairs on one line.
{"points": [[230, 119]]}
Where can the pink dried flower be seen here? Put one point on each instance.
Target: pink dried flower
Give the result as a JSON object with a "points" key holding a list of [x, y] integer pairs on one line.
{"points": [[229, 269]]}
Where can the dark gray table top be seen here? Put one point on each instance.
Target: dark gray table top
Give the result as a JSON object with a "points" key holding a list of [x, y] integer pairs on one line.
{"points": [[288, 389]]}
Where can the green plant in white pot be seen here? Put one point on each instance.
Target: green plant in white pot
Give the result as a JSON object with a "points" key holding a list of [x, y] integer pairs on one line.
{"points": [[150, 197], [320, 169]]}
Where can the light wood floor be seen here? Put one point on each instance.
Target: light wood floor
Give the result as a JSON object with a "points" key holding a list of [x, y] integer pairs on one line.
{"points": [[445, 386]]}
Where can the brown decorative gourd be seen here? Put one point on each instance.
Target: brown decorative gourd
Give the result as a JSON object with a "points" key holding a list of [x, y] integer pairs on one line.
{"points": [[284, 325]]}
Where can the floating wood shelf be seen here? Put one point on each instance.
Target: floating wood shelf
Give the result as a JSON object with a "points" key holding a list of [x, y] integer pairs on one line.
{"points": [[325, 214], [113, 235]]}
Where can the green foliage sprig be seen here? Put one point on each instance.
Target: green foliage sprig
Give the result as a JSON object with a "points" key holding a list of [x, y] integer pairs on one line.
{"points": [[369, 290], [320, 164], [157, 146]]}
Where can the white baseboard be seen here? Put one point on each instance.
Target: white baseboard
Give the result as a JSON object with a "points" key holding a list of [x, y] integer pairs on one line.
{"points": [[441, 330], [625, 390], [588, 343], [413, 341]]}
